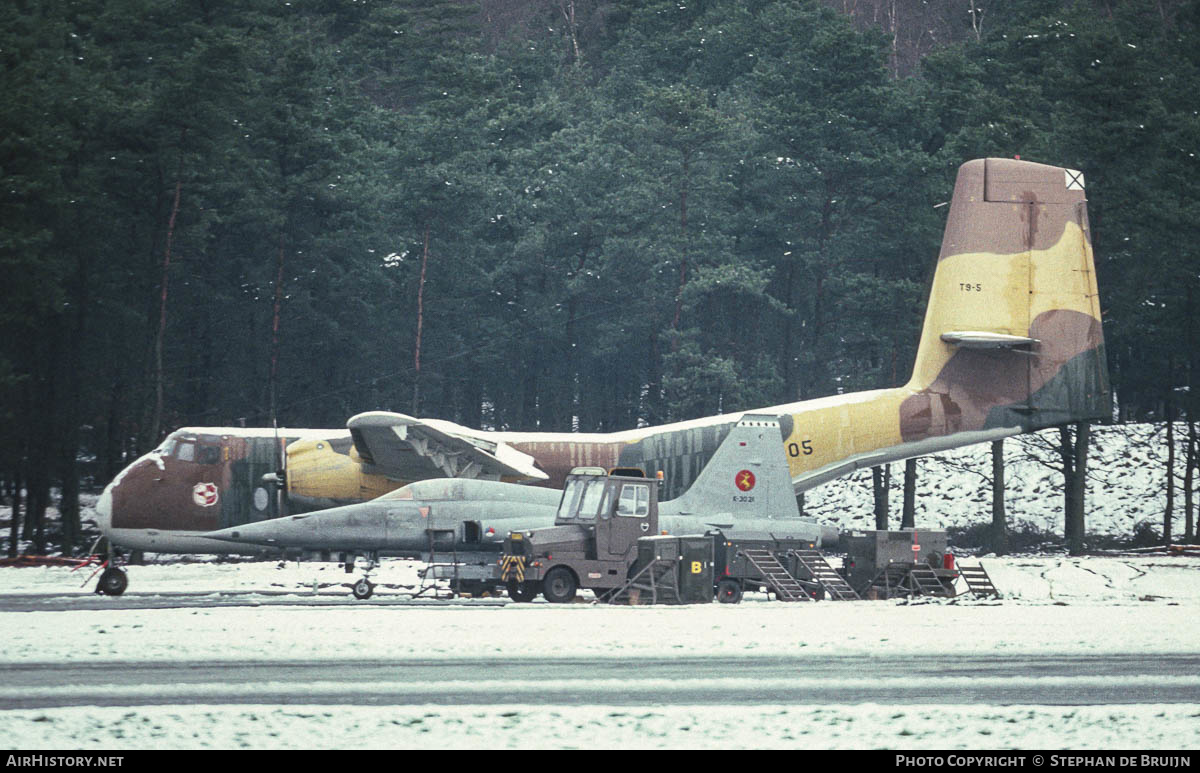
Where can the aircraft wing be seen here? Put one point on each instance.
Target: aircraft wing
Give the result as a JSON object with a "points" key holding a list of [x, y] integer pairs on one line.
{"points": [[404, 448]]}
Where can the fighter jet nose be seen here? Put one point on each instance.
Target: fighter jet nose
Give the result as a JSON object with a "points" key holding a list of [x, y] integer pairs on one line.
{"points": [[104, 510]]}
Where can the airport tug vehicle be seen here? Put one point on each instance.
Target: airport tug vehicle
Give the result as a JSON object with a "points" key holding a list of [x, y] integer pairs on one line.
{"points": [[607, 537]]}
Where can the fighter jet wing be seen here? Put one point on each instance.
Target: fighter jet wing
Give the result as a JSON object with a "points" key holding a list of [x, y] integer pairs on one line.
{"points": [[404, 448]]}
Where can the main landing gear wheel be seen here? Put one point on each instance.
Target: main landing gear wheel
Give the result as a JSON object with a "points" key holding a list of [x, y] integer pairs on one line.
{"points": [[729, 591], [522, 591], [113, 582], [559, 586], [363, 589]]}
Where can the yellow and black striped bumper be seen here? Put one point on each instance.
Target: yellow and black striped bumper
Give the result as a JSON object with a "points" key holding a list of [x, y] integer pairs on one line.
{"points": [[512, 568]]}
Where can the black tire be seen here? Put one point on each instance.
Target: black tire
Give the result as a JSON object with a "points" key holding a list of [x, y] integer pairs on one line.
{"points": [[522, 592], [113, 582], [729, 591], [559, 586], [363, 589]]}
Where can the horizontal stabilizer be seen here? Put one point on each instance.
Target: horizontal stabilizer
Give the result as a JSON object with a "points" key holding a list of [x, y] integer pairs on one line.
{"points": [[978, 339]]}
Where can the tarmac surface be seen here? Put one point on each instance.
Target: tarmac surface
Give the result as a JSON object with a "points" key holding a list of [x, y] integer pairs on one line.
{"points": [[57, 602], [687, 680]]}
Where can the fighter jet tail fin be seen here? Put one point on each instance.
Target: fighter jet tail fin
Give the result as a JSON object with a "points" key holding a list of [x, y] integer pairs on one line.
{"points": [[1012, 335], [747, 476]]}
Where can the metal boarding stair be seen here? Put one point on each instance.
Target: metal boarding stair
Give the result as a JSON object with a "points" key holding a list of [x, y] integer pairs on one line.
{"points": [[889, 582], [904, 579], [437, 570], [776, 577], [926, 583], [978, 581], [819, 569], [656, 578]]}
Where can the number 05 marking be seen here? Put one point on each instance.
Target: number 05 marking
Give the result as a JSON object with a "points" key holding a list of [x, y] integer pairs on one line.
{"points": [[803, 447]]}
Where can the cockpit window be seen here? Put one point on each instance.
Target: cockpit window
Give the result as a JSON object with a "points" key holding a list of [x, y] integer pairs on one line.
{"points": [[208, 454], [185, 452], [438, 489], [404, 492]]}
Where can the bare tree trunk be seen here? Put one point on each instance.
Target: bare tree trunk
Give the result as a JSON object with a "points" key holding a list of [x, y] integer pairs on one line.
{"points": [[156, 421], [895, 41], [976, 15], [1169, 512], [879, 483], [14, 529], [1083, 437], [999, 516], [1074, 462], [275, 333], [1189, 478], [1073, 452], [683, 263], [908, 516], [35, 507], [416, 409], [67, 451], [568, 11], [1189, 475]]}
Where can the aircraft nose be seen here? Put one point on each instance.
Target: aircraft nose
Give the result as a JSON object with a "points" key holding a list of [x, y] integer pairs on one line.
{"points": [[104, 510]]}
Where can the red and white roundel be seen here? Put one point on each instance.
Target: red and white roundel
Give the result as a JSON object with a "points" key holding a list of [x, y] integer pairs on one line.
{"points": [[744, 480], [205, 494]]}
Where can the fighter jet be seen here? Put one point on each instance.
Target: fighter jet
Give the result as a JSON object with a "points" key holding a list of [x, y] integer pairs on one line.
{"points": [[746, 487], [1012, 342]]}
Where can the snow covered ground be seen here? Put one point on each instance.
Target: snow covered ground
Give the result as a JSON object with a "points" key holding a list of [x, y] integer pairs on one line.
{"points": [[525, 726], [1053, 604]]}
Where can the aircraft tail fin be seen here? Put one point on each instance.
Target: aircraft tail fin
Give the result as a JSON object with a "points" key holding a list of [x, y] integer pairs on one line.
{"points": [[747, 477], [1012, 335]]}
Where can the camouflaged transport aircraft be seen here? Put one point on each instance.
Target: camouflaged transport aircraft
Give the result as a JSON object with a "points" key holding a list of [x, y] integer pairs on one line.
{"points": [[1011, 343]]}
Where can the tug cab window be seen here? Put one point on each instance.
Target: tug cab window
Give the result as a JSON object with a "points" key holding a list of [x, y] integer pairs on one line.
{"points": [[591, 500], [635, 500], [581, 499], [570, 500]]}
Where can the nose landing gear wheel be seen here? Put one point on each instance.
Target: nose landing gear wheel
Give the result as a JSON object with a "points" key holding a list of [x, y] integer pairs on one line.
{"points": [[113, 582], [363, 589]]}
